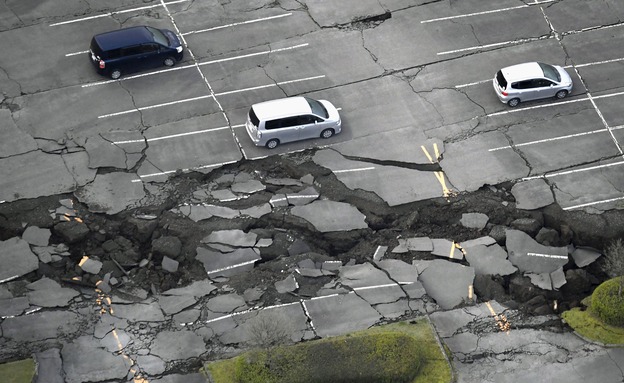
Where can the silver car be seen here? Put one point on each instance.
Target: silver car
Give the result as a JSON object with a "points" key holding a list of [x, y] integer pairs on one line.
{"points": [[271, 123], [531, 81]]}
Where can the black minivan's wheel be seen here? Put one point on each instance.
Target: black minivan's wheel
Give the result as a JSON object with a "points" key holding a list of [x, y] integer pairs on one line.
{"points": [[513, 102], [272, 143], [561, 94], [327, 133], [115, 74], [169, 61]]}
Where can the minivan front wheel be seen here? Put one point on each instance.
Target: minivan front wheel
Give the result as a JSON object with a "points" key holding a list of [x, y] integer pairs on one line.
{"points": [[115, 74], [272, 143], [327, 133], [561, 94], [169, 61], [513, 102]]}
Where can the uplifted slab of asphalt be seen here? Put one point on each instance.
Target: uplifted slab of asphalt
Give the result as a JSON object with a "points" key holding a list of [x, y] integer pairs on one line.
{"points": [[16, 259], [530, 256], [395, 185], [111, 193], [340, 314], [447, 282], [327, 216]]}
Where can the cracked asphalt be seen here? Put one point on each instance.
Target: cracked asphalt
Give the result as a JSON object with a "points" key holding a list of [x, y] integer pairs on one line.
{"points": [[412, 80]]}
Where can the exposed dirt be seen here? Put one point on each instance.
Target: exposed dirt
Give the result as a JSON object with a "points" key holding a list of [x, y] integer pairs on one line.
{"points": [[127, 238]]}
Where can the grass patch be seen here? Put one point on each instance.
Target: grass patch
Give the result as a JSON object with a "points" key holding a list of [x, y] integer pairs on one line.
{"points": [[591, 327], [21, 371], [400, 352]]}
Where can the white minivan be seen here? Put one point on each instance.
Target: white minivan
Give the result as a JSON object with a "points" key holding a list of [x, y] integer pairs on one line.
{"points": [[271, 123]]}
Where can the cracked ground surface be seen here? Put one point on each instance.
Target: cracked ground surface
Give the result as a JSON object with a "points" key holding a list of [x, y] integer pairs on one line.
{"points": [[420, 123]]}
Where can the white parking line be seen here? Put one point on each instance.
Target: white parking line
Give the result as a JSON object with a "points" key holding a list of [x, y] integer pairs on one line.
{"points": [[354, 170], [593, 203], [170, 136], [511, 42], [266, 52], [565, 66], [551, 175], [556, 138], [485, 12], [155, 106], [516, 110], [76, 53], [236, 24], [116, 13], [269, 85], [182, 170], [206, 96]]}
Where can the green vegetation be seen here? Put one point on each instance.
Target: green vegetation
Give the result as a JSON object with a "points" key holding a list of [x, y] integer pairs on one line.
{"points": [[21, 371], [591, 327], [401, 352], [607, 303]]}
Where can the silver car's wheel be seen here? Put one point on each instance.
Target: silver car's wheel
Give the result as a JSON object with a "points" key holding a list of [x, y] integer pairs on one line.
{"points": [[327, 133], [513, 102], [561, 94], [115, 74], [169, 61], [272, 144]]}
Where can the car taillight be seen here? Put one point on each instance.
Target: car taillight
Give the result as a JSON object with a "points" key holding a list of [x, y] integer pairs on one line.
{"points": [[102, 64], [504, 93]]}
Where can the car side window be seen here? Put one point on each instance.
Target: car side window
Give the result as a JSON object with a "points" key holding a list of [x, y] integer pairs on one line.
{"points": [[291, 121], [149, 48], [527, 84], [273, 124], [542, 82], [130, 51], [307, 119]]}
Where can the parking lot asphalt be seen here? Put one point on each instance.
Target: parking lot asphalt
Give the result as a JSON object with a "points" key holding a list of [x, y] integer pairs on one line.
{"points": [[388, 66], [412, 80]]}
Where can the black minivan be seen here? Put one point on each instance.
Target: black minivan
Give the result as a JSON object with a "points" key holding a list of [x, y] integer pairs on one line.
{"points": [[133, 49]]}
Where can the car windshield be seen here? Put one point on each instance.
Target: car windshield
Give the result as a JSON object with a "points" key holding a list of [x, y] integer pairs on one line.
{"points": [[317, 108], [159, 37], [550, 72]]}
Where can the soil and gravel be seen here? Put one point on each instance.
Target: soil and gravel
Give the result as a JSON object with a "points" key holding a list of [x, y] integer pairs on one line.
{"points": [[131, 245]]}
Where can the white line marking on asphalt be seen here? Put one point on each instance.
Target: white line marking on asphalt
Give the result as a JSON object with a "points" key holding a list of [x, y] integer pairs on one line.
{"points": [[484, 12], [206, 96], [269, 51], [269, 85], [76, 53], [354, 170], [155, 106], [170, 136], [555, 138], [566, 66], [550, 175], [231, 267], [536, 107], [236, 24], [477, 47], [182, 170], [115, 13], [548, 255], [593, 203]]}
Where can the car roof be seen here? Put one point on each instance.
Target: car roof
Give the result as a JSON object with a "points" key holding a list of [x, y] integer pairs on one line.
{"points": [[284, 107], [123, 38], [522, 71]]}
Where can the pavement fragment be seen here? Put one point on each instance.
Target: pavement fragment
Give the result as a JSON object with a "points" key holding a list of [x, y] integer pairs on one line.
{"points": [[449, 283], [328, 216], [16, 259]]}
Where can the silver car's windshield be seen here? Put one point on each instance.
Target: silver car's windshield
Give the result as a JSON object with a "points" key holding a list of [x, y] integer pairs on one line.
{"points": [[550, 72], [317, 108]]}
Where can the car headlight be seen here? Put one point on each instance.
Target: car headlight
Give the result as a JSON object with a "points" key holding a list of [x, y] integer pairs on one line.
{"points": [[179, 49]]}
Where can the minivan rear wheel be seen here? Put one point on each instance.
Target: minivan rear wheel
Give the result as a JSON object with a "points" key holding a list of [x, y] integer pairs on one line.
{"points": [[169, 61], [327, 133], [272, 143], [561, 94], [513, 102], [115, 74]]}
